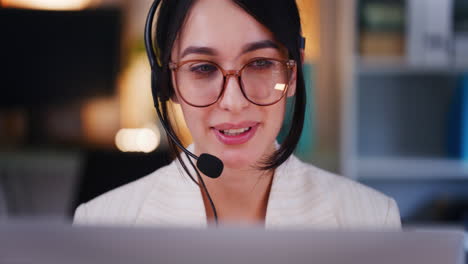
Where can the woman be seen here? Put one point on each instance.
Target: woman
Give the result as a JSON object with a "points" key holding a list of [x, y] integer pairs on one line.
{"points": [[231, 64]]}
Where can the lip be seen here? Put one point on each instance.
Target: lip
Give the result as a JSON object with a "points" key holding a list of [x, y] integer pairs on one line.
{"points": [[235, 140], [225, 126]]}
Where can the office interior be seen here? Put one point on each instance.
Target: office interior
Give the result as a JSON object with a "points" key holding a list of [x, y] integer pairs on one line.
{"points": [[386, 90]]}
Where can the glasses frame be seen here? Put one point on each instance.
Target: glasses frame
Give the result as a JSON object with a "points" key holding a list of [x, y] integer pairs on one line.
{"points": [[290, 65]]}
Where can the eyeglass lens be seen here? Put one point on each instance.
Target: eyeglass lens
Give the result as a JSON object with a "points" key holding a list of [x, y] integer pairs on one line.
{"points": [[263, 81]]}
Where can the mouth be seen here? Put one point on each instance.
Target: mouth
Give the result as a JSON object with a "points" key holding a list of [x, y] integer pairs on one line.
{"points": [[234, 134]]}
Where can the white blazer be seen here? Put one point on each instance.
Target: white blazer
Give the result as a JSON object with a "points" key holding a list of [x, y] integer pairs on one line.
{"points": [[301, 196]]}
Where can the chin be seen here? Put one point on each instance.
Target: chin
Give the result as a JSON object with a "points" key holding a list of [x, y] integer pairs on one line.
{"points": [[233, 163], [239, 159]]}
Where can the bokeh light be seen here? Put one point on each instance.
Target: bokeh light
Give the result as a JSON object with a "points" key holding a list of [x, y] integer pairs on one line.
{"points": [[137, 139], [49, 4]]}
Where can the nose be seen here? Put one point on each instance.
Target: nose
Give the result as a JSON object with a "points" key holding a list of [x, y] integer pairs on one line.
{"points": [[233, 99]]}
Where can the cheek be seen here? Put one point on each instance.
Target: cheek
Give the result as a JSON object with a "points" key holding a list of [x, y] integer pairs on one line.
{"points": [[277, 115], [274, 120], [195, 119]]}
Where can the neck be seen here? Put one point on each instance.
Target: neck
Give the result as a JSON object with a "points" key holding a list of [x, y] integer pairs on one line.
{"points": [[240, 195]]}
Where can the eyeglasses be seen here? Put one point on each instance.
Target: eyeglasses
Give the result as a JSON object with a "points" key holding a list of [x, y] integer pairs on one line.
{"points": [[263, 81]]}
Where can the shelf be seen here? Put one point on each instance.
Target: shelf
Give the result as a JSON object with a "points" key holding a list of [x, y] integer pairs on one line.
{"points": [[398, 65], [412, 168]]}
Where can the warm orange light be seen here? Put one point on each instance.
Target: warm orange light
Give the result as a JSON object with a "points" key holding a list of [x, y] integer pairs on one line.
{"points": [[310, 18], [136, 101], [49, 4], [100, 120]]}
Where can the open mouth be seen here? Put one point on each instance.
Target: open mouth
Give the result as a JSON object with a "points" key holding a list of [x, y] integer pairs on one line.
{"points": [[235, 132]]}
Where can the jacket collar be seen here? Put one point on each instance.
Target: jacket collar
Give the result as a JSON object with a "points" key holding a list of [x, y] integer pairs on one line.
{"points": [[298, 199]]}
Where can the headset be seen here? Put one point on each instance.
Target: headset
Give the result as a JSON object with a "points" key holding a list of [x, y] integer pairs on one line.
{"points": [[208, 164]]}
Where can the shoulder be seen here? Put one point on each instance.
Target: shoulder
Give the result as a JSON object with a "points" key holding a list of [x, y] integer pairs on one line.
{"points": [[121, 205], [353, 204], [357, 205]]}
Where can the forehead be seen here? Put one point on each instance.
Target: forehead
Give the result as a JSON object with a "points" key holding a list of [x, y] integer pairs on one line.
{"points": [[222, 25]]}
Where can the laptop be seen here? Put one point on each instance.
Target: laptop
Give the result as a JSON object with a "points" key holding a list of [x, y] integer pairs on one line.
{"points": [[22, 243]]}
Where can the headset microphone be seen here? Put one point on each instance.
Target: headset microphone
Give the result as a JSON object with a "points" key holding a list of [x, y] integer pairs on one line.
{"points": [[208, 164]]}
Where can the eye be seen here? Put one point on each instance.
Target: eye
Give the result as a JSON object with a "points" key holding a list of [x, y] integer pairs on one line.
{"points": [[204, 68], [261, 64]]}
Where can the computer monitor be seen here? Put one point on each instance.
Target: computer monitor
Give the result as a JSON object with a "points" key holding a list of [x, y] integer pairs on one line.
{"points": [[20, 243]]}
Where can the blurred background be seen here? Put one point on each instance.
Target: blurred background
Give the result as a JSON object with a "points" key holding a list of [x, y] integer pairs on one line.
{"points": [[386, 85]]}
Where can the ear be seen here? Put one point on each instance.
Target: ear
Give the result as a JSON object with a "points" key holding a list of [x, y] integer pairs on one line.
{"points": [[292, 82]]}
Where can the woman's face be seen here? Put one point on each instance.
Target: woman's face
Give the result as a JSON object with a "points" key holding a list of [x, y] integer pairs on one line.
{"points": [[221, 32]]}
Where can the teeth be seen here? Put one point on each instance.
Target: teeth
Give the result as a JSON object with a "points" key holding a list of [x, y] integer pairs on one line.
{"points": [[235, 132]]}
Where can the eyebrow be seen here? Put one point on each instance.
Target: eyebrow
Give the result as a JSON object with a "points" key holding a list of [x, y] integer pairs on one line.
{"points": [[199, 50], [247, 48], [260, 45]]}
